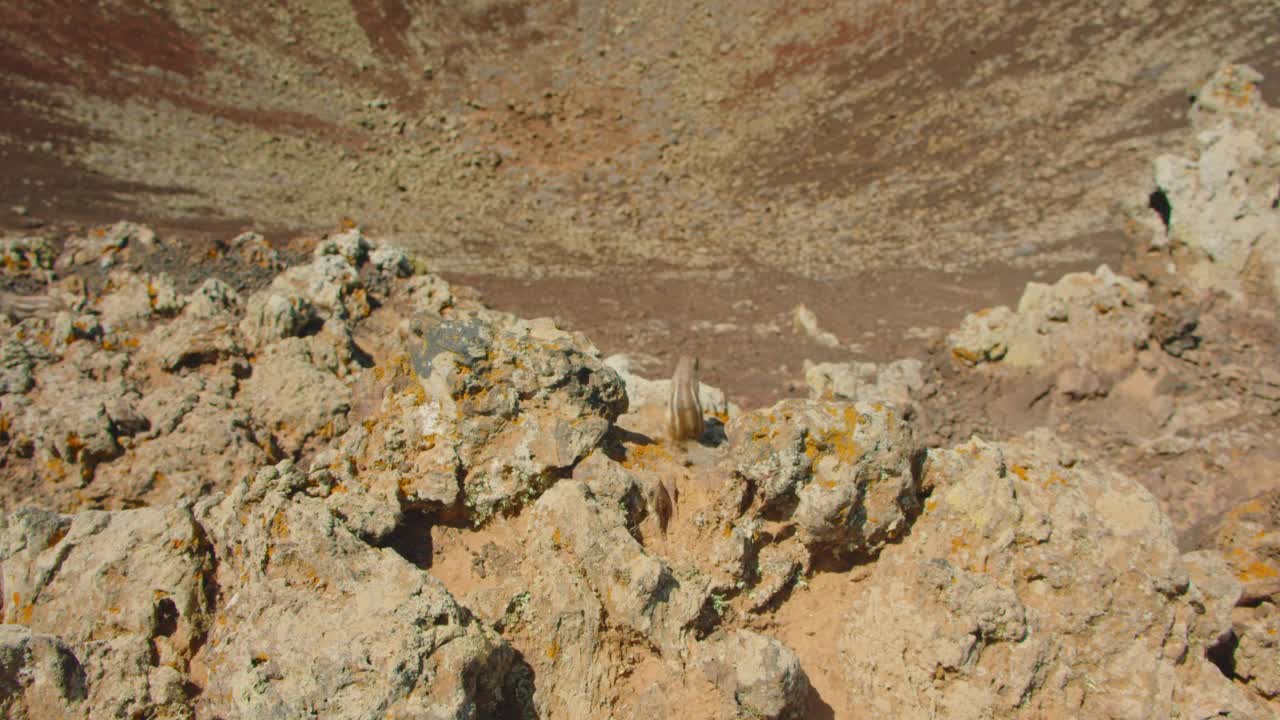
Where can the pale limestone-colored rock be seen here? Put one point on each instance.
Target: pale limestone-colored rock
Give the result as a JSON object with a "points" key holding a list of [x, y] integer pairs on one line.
{"points": [[296, 395], [1222, 203], [213, 299], [204, 442], [841, 471], [73, 419], [587, 578], [1219, 591], [254, 249], [1099, 316], [505, 403], [189, 341], [426, 295], [1257, 631], [103, 245], [895, 383], [1248, 536], [273, 315], [391, 260], [351, 245], [313, 620], [127, 300], [129, 591], [759, 675], [16, 364], [1031, 588], [330, 283], [805, 322]]}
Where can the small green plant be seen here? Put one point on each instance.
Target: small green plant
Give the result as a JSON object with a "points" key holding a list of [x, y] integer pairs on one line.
{"points": [[719, 604]]}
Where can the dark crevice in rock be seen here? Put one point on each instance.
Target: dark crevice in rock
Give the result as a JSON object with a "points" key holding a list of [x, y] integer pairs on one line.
{"points": [[412, 538], [518, 688], [1159, 202], [1223, 653]]}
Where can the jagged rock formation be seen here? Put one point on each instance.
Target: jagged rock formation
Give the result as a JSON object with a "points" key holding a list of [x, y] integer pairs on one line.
{"points": [[342, 488]]}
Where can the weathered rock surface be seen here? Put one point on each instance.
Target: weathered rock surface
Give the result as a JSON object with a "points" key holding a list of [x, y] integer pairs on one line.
{"points": [[476, 534], [1097, 319], [841, 472], [1222, 205], [761, 675], [1030, 586], [130, 592], [396, 644], [896, 383], [39, 675], [485, 411]]}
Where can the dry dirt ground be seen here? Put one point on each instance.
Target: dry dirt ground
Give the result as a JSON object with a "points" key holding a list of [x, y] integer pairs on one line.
{"points": [[664, 176]]}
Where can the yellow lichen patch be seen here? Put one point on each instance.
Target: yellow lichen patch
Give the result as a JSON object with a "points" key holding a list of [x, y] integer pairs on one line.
{"points": [[418, 393], [55, 468], [553, 650], [644, 456], [810, 447], [1257, 570], [965, 355], [1020, 471], [845, 447], [957, 544], [930, 505], [1247, 508], [728, 530], [1055, 479], [556, 540], [279, 525]]}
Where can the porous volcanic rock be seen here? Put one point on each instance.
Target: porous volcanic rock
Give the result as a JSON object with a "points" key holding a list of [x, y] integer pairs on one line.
{"points": [[1030, 585], [1099, 318], [842, 472], [1222, 206]]}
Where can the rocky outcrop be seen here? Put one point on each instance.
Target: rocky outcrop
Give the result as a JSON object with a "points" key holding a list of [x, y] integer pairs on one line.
{"points": [[348, 491], [1089, 320], [484, 412], [129, 592], [1032, 583], [762, 676], [842, 473], [897, 383], [1221, 206], [396, 643]]}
